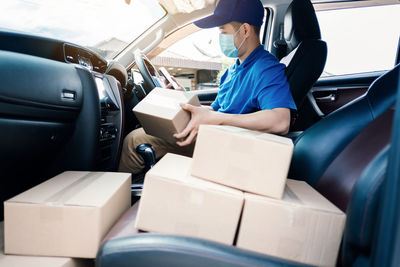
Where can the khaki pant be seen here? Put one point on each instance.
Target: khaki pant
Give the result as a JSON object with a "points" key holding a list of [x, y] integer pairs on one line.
{"points": [[132, 162]]}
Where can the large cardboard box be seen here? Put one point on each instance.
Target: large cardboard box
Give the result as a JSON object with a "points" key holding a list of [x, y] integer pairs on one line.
{"points": [[247, 160], [175, 203], [303, 226], [66, 216], [35, 261], [161, 115]]}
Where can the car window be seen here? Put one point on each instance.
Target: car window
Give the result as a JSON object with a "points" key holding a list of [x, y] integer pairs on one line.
{"points": [[102, 25], [360, 39], [196, 61]]}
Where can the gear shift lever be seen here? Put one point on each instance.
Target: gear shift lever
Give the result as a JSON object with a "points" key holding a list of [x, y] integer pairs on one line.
{"points": [[148, 153]]}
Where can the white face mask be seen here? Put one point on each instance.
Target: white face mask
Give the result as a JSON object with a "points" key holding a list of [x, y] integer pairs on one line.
{"points": [[227, 44]]}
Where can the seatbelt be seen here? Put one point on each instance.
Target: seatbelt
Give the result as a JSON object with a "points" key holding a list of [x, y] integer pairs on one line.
{"points": [[280, 44]]}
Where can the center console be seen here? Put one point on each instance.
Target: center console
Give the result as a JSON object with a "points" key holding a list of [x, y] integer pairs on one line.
{"points": [[111, 122]]}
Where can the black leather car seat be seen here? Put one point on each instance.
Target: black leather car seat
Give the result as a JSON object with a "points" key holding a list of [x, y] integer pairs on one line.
{"points": [[305, 52], [324, 153], [363, 212], [344, 156]]}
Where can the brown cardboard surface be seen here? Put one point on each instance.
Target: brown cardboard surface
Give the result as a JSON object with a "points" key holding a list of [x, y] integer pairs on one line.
{"points": [[247, 160], [173, 202], [160, 113], [35, 261], [67, 215], [303, 226]]}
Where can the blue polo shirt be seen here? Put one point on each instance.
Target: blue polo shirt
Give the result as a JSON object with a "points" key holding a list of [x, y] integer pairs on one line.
{"points": [[258, 83]]}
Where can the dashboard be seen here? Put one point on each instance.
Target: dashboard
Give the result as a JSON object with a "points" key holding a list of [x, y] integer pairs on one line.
{"points": [[59, 83], [84, 57]]}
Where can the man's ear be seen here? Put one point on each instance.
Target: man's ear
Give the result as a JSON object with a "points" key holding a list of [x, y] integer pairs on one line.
{"points": [[247, 29]]}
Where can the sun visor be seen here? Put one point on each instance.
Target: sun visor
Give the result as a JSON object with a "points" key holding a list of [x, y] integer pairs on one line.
{"points": [[187, 6]]}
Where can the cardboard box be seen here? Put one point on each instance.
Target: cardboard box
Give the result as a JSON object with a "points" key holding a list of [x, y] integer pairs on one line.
{"points": [[34, 261], [174, 203], [247, 160], [303, 226], [66, 216], [161, 115]]}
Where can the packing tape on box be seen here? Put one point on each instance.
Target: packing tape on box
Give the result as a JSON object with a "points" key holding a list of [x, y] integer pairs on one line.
{"points": [[62, 196]]}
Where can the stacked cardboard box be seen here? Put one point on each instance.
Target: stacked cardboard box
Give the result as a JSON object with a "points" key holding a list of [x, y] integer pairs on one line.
{"points": [[35, 261], [66, 216], [203, 198], [303, 226], [174, 202]]}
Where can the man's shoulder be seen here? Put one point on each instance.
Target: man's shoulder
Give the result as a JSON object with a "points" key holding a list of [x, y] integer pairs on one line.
{"points": [[266, 61]]}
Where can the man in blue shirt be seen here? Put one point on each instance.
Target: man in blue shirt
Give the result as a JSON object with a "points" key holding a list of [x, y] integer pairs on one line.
{"points": [[254, 92]]}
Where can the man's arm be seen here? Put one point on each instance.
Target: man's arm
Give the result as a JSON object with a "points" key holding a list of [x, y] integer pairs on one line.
{"points": [[275, 121], [270, 121]]}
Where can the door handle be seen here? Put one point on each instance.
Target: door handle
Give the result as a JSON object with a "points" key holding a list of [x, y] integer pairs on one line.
{"points": [[326, 99]]}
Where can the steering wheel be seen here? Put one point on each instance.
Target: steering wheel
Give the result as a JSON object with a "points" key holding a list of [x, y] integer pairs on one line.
{"points": [[147, 70]]}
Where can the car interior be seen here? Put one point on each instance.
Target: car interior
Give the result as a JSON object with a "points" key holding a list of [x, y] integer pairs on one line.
{"points": [[65, 107]]}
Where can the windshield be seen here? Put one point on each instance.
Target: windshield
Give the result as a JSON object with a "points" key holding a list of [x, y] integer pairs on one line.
{"points": [[106, 26]]}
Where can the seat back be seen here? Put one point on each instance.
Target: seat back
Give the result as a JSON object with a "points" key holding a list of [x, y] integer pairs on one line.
{"points": [[318, 146], [344, 156], [305, 51], [362, 213]]}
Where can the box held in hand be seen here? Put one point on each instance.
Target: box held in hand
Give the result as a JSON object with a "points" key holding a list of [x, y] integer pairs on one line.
{"points": [[161, 115]]}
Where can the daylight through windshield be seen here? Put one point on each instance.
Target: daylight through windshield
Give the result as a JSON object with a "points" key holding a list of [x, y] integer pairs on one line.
{"points": [[106, 26]]}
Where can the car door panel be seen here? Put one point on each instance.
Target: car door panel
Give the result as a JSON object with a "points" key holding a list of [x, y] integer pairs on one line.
{"points": [[330, 94], [330, 99]]}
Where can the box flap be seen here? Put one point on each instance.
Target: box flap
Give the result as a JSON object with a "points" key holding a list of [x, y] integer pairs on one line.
{"points": [[299, 193], [177, 167], [171, 166], [307, 195], [163, 103], [75, 189], [252, 134]]}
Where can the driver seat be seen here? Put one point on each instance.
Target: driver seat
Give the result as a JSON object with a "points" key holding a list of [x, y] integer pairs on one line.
{"points": [[303, 50]]}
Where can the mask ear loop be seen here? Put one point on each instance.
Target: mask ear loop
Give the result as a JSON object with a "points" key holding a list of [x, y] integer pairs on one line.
{"points": [[243, 39]]}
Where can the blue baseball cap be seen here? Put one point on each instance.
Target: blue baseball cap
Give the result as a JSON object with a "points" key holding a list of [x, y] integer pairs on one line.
{"points": [[244, 11]]}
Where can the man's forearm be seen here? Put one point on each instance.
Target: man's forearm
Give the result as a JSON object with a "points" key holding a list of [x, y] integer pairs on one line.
{"points": [[270, 121]]}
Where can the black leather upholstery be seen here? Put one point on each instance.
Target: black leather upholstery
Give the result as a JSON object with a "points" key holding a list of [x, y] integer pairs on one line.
{"points": [[305, 68], [319, 145], [306, 52], [337, 182], [300, 23], [149, 250], [363, 210]]}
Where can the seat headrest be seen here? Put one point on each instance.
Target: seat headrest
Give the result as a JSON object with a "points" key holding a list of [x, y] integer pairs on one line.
{"points": [[300, 23]]}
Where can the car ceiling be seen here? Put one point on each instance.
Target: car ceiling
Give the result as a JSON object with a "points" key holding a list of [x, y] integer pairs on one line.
{"points": [[184, 6]]}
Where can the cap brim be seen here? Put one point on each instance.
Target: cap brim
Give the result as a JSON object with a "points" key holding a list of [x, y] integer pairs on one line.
{"points": [[211, 22]]}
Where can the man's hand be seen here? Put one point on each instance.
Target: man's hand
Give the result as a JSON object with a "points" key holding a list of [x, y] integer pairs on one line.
{"points": [[200, 115], [169, 85], [276, 121]]}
